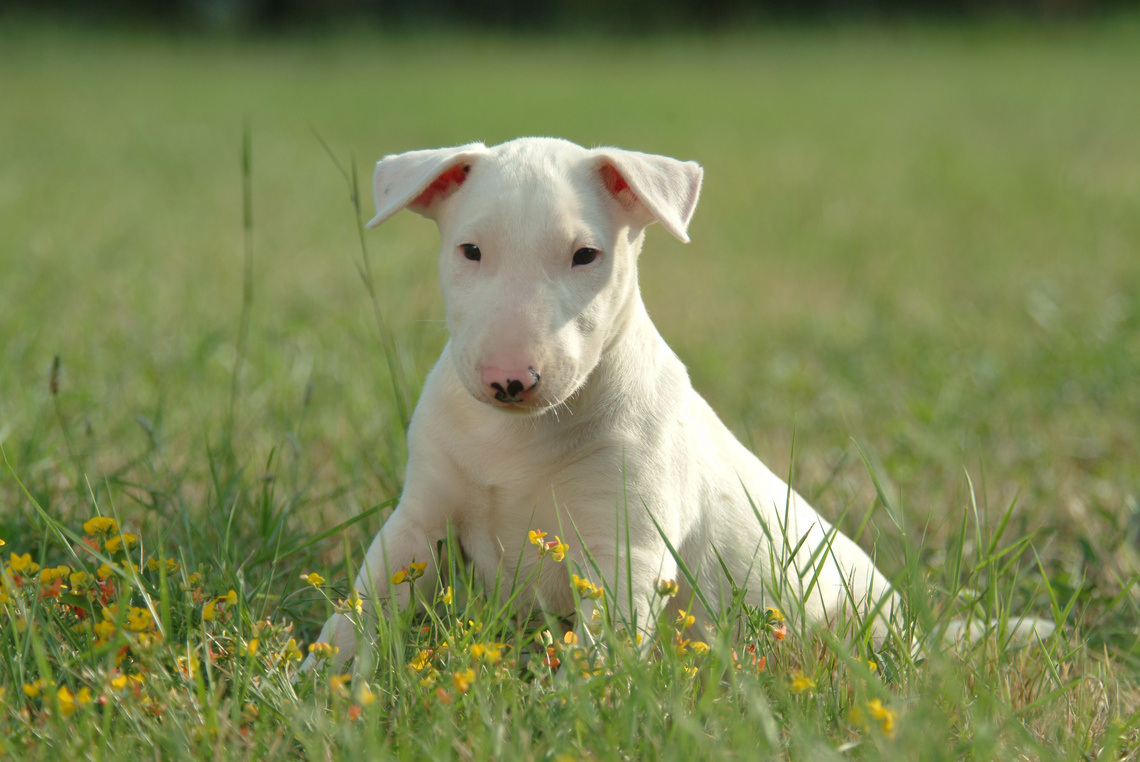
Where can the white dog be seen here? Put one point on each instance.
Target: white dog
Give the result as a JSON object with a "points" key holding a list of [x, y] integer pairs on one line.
{"points": [[557, 405]]}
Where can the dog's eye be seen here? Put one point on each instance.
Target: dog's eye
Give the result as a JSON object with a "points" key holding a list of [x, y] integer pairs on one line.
{"points": [[585, 256], [471, 251]]}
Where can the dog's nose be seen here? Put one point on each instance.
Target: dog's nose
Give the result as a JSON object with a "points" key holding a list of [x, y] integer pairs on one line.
{"points": [[509, 385]]}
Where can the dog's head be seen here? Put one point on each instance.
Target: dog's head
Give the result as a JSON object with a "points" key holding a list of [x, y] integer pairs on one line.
{"points": [[538, 265]]}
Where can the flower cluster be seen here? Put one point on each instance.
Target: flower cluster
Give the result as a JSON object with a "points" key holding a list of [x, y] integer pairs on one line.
{"points": [[554, 549]]}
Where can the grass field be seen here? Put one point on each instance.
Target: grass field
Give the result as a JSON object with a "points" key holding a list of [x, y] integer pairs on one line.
{"points": [[916, 247]]}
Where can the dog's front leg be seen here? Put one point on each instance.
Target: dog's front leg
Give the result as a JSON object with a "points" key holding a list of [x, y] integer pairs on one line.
{"points": [[629, 581], [401, 541]]}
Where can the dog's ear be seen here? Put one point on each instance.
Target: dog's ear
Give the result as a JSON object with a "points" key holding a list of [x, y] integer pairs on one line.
{"points": [[419, 180], [652, 187]]}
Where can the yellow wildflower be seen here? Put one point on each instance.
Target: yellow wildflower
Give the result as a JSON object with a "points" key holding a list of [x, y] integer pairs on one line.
{"points": [[104, 572], [23, 564], [292, 652], [586, 588], [337, 683], [139, 619], [416, 570], [79, 579], [209, 611], [354, 603], [667, 587], [104, 631], [685, 620], [536, 537], [364, 695], [101, 525], [69, 702], [251, 647], [462, 680], [445, 597], [313, 579], [699, 648], [51, 574], [557, 549], [121, 540], [801, 683], [33, 689], [229, 598], [775, 614], [172, 566], [878, 713], [322, 651], [421, 660]]}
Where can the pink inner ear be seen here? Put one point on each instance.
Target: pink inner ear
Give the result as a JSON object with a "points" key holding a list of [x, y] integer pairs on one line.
{"points": [[618, 187], [615, 183], [441, 187]]}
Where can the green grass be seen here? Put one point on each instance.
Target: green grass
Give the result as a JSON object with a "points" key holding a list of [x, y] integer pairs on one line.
{"points": [[917, 244]]}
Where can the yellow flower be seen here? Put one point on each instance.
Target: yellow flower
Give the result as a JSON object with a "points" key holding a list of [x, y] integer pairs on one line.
{"points": [[557, 549], [51, 574], [188, 665], [194, 579], [251, 647], [536, 537], [313, 579], [209, 611], [79, 579], [586, 588], [172, 566], [292, 652], [399, 577], [101, 525], [570, 638], [364, 695], [229, 598], [69, 702], [354, 603], [121, 540], [462, 680], [337, 683], [880, 714], [139, 619], [321, 651], [33, 689], [685, 620], [104, 631], [421, 660], [699, 648], [445, 597], [416, 570], [23, 564], [667, 587], [490, 653], [104, 572], [801, 683], [775, 614]]}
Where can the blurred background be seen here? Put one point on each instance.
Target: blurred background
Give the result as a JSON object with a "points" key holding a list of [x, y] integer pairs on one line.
{"points": [[635, 16]]}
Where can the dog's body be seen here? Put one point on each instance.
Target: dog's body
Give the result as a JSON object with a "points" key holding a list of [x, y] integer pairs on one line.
{"points": [[557, 405]]}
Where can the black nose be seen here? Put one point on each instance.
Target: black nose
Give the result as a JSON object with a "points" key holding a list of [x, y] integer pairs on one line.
{"points": [[514, 387]]}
